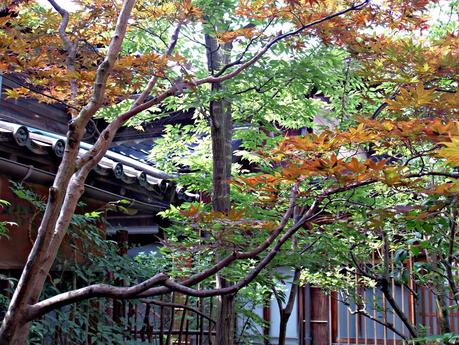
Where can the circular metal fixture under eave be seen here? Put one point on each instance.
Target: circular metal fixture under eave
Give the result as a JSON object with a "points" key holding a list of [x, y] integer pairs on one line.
{"points": [[118, 170], [21, 135], [59, 148], [142, 177]]}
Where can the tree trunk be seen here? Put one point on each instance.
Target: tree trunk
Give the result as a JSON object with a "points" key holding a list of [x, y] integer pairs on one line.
{"points": [[443, 311], [67, 188], [283, 327], [441, 293], [286, 312], [221, 133], [14, 329]]}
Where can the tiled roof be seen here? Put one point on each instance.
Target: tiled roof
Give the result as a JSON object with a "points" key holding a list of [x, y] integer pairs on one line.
{"points": [[138, 151], [126, 164]]}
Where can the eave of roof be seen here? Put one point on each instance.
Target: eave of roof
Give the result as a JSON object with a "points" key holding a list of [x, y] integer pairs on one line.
{"points": [[127, 171]]}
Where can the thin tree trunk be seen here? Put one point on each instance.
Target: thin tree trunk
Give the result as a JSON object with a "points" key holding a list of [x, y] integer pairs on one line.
{"points": [[385, 288], [283, 328], [63, 196], [286, 312], [221, 133], [441, 293]]}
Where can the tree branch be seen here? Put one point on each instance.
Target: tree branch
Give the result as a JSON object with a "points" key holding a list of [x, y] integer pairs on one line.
{"points": [[70, 47], [369, 316], [96, 290], [153, 80], [276, 39], [214, 79]]}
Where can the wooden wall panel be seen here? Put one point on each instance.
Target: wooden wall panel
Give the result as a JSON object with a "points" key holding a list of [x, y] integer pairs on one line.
{"points": [[319, 317]]}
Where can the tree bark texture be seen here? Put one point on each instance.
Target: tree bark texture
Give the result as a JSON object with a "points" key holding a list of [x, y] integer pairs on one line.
{"points": [[221, 133], [283, 328]]}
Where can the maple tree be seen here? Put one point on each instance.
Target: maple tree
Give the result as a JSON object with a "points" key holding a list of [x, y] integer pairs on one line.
{"points": [[96, 59]]}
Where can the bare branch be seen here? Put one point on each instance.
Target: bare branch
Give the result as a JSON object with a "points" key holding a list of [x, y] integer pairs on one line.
{"points": [[142, 289], [238, 61]]}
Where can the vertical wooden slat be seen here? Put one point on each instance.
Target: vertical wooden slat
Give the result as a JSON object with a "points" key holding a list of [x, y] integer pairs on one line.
{"points": [[338, 316], [130, 316], [201, 321], [384, 302], [334, 317], [149, 325], [211, 306], [431, 308], [195, 327], [423, 310], [161, 325], [300, 323], [307, 315], [154, 318], [135, 321], [365, 321], [171, 319], [182, 321], [144, 328], [187, 331], [330, 317], [357, 306]]}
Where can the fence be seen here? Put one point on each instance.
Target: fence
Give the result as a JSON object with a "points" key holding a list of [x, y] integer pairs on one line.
{"points": [[170, 320]]}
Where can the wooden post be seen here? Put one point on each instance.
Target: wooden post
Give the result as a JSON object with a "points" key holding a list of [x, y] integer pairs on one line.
{"points": [[182, 321], [121, 239]]}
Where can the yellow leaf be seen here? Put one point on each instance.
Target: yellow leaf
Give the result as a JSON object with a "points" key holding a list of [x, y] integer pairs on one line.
{"points": [[451, 151], [423, 96], [16, 93]]}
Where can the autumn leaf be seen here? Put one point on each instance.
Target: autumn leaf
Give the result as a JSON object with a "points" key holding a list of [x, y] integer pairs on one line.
{"points": [[191, 212], [235, 214], [391, 176], [445, 188], [232, 35], [16, 93], [451, 151]]}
